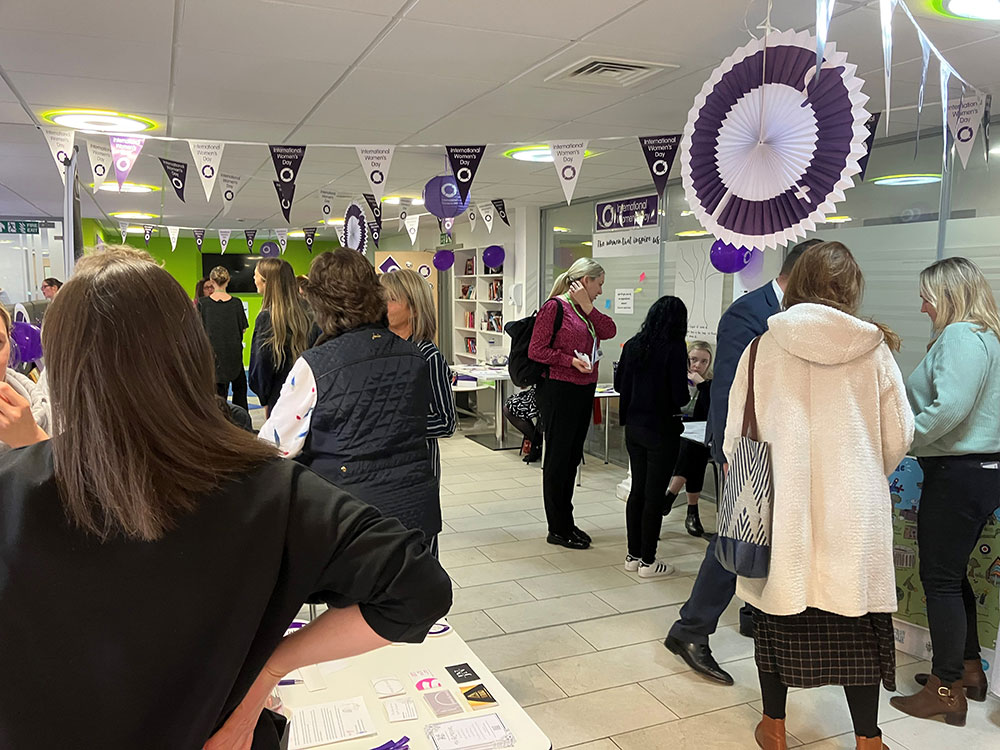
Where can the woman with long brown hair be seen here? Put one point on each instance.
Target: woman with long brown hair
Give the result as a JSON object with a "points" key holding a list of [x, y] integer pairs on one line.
{"points": [[830, 403], [154, 554], [281, 331]]}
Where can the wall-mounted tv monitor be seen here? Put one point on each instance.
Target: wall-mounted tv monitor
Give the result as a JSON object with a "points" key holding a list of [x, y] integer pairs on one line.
{"points": [[240, 269]]}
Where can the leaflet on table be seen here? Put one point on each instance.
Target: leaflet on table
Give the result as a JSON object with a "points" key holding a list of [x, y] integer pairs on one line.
{"points": [[473, 733], [329, 722]]}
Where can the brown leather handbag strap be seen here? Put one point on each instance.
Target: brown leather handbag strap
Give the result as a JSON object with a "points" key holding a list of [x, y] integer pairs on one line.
{"points": [[750, 429]]}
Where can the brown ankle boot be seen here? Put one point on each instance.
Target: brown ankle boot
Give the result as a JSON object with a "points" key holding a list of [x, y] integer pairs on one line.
{"points": [[936, 700], [770, 734], [870, 743], [973, 678]]}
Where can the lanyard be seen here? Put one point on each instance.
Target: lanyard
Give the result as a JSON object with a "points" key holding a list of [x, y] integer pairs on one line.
{"points": [[581, 316]]}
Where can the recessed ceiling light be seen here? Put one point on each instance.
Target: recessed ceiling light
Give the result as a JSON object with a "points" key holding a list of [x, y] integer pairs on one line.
{"points": [[687, 212], [561, 230], [539, 153], [395, 200], [297, 234], [135, 230], [6, 242], [131, 215], [837, 219], [988, 10], [99, 120], [901, 180], [127, 187], [333, 222], [588, 244], [693, 233]]}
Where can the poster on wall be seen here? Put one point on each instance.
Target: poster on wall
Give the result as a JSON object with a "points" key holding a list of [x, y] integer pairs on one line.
{"points": [[699, 284], [638, 241], [625, 214], [624, 301]]}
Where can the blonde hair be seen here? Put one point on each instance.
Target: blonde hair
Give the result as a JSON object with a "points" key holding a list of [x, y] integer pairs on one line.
{"points": [[5, 319], [289, 322], [410, 287], [960, 293], [582, 268], [219, 275], [703, 346]]}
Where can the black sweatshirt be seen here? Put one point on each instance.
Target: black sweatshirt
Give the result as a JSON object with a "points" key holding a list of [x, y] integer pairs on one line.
{"points": [[652, 392]]}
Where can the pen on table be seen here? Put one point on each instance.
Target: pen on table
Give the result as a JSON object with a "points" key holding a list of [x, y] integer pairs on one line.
{"points": [[290, 682]]}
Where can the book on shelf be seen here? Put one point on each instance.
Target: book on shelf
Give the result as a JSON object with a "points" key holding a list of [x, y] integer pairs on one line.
{"points": [[470, 319], [495, 292], [470, 344], [470, 267], [468, 291], [498, 271], [494, 321]]}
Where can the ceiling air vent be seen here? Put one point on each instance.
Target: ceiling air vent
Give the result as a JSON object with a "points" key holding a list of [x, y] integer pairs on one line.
{"points": [[609, 71]]}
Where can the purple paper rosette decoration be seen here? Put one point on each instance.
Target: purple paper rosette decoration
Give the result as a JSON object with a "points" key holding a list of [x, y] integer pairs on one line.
{"points": [[441, 197], [767, 154]]}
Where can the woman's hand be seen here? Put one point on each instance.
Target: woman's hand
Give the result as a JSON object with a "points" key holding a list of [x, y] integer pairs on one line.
{"points": [[582, 366], [237, 732], [17, 424], [695, 378], [579, 294]]}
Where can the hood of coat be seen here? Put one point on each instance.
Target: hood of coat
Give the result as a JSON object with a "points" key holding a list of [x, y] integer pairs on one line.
{"points": [[823, 335]]}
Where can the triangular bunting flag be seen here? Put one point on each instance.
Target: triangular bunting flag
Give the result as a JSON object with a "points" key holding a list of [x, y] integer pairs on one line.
{"points": [[472, 219], [282, 235], [199, 237], [486, 213], [286, 193], [100, 162], [986, 127], [176, 174], [287, 160], [501, 209], [403, 215], [123, 228], [659, 151], [449, 222], [310, 233], [224, 238], [173, 232], [412, 225], [124, 151], [872, 125], [326, 200], [375, 161], [376, 209], [60, 142], [230, 186], [464, 162], [147, 233], [207, 157], [374, 231], [567, 157], [965, 117], [250, 234]]}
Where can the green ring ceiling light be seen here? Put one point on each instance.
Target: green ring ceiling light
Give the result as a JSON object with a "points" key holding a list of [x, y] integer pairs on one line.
{"points": [[99, 120], [537, 154], [132, 215], [978, 10], [905, 180]]}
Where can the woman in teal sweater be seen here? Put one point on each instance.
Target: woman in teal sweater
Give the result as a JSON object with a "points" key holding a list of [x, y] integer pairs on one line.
{"points": [[955, 395]]}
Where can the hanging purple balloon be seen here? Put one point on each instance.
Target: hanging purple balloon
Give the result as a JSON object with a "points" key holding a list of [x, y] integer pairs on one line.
{"points": [[755, 265], [729, 259], [441, 197], [444, 259], [493, 256], [28, 339]]}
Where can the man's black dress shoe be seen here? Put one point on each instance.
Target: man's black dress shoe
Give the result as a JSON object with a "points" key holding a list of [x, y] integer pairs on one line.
{"points": [[569, 542], [699, 657], [581, 534]]}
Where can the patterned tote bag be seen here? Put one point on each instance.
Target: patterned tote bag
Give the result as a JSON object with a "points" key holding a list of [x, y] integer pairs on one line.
{"points": [[744, 543]]}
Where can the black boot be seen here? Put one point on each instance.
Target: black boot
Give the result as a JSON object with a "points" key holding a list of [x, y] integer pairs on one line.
{"points": [[669, 504], [693, 522]]}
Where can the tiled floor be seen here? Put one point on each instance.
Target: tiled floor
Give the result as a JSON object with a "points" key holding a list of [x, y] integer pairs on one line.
{"points": [[578, 641]]}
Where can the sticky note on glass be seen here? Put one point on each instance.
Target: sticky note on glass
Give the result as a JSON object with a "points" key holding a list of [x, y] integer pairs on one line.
{"points": [[607, 304], [638, 289], [642, 276]]}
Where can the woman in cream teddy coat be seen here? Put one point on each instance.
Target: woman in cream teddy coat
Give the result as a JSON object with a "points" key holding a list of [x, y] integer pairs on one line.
{"points": [[831, 403]]}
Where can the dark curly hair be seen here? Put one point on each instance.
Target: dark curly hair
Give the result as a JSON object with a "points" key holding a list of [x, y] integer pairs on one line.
{"points": [[344, 292], [666, 323]]}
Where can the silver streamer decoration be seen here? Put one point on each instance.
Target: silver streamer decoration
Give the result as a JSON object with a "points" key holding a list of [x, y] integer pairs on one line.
{"points": [[886, 8], [945, 76], [824, 12], [925, 50]]}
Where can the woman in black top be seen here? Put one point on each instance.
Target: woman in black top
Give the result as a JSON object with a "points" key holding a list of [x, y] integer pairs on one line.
{"points": [[182, 546], [281, 331], [652, 380], [693, 457], [225, 321]]}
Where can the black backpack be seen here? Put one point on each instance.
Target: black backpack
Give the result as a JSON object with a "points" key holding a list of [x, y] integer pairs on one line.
{"points": [[525, 371]]}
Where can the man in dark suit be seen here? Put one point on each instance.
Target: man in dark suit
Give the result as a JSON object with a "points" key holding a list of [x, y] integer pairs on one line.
{"points": [[745, 320]]}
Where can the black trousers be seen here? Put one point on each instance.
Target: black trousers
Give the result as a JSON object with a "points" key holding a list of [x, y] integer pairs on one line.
{"points": [[565, 410], [959, 495], [862, 700], [651, 458], [239, 390]]}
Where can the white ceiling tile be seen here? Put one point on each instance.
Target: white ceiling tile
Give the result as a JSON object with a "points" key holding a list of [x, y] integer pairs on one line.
{"points": [[208, 101], [469, 126], [560, 19], [96, 18], [259, 74], [43, 91]]}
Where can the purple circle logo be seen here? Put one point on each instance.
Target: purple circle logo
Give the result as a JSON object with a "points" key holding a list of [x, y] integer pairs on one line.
{"points": [[100, 170], [464, 174], [123, 163], [965, 134], [568, 172], [207, 171], [376, 177], [177, 183], [660, 167], [228, 195], [286, 174], [449, 189]]}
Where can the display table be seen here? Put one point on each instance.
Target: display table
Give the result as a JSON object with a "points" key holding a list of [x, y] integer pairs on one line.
{"points": [[604, 392], [499, 376], [351, 678]]}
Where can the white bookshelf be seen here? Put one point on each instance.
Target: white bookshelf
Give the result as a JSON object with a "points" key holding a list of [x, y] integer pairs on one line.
{"points": [[477, 299]]}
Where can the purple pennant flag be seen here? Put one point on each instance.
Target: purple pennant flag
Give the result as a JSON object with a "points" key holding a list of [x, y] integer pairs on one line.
{"points": [[501, 208], [124, 152], [199, 237], [376, 210], [310, 233], [986, 126], [286, 192], [147, 232], [250, 234], [177, 174], [287, 160], [869, 142], [464, 164], [374, 230], [660, 151]]}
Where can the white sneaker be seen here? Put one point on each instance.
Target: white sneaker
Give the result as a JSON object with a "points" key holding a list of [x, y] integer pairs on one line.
{"points": [[632, 563], [656, 570]]}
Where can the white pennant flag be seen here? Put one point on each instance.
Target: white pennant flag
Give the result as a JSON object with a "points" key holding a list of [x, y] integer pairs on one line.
{"points": [[412, 223], [173, 232], [472, 219], [282, 235], [964, 118], [100, 162], [886, 8], [224, 238], [60, 142], [486, 213], [207, 158], [375, 161], [123, 228], [230, 186], [567, 157], [326, 199]]}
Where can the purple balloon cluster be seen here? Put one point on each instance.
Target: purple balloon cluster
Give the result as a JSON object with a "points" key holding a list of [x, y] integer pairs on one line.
{"points": [[28, 340]]}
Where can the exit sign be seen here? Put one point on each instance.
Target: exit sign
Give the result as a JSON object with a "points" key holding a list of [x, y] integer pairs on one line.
{"points": [[18, 227]]}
